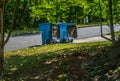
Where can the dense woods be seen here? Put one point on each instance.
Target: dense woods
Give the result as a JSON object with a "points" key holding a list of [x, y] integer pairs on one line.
{"points": [[30, 13]]}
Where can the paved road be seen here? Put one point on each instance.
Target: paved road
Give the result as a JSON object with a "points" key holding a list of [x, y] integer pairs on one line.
{"points": [[94, 31], [24, 41]]}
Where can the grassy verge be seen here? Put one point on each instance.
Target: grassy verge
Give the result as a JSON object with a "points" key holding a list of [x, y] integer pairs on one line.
{"points": [[90, 24], [86, 25], [117, 33], [24, 31]]}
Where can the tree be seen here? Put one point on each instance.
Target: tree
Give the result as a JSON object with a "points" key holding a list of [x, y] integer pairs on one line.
{"points": [[111, 12], [58, 10], [2, 30], [111, 24]]}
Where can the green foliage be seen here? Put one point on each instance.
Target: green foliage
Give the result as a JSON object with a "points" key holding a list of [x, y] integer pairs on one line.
{"points": [[23, 16], [118, 69], [57, 10], [74, 10], [32, 12]]}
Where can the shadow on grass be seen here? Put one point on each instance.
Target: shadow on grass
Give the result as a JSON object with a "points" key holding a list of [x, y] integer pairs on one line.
{"points": [[103, 66], [63, 65]]}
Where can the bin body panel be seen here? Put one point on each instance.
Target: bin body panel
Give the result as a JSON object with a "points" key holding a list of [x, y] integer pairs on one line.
{"points": [[67, 31], [70, 24], [45, 29], [63, 32]]}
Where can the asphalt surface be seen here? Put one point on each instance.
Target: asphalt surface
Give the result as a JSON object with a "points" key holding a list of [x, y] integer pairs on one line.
{"points": [[94, 31], [87, 34]]}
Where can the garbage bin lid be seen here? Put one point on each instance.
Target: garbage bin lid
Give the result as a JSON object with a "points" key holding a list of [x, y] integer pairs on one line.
{"points": [[41, 24], [68, 24]]}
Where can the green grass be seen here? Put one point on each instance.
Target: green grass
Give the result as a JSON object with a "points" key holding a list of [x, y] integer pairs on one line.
{"points": [[90, 24], [22, 31], [47, 62], [86, 25], [53, 48], [117, 33]]}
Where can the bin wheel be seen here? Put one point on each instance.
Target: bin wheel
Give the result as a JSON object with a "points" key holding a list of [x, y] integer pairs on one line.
{"points": [[48, 41], [71, 40], [63, 40], [54, 41]]}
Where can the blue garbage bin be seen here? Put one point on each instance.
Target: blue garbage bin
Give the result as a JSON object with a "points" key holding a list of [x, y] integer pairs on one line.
{"points": [[63, 32], [65, 29], [46, 33]]}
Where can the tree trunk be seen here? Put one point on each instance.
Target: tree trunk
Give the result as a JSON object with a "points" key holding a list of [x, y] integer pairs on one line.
{"points": [[35, 23], [13, 21], [2, 9], [101, 31], [2, 41], [111, 24], [1, 61], [22, 13]]}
